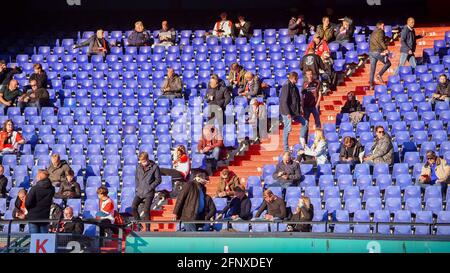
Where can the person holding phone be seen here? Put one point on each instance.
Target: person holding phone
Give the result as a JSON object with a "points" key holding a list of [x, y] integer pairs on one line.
{"points": [[435, 171], [303, 212]]}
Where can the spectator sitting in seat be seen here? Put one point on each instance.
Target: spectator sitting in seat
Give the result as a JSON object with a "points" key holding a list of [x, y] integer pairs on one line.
{"points": [[38, 202], [7, 73], [20, 211], [326, 30], [353, 107], [228, 181], [166, 35], [210, 144], [236, 76], [8, 95], [297, 26], [98, 45], [57, 170], [72, 224], [351, 151], [148, 177], [107, 213], [139, 36], [312, 96], [303, 212], [3, 183], [40, 76], [217, 94], [435, 171], [191, 203], [318, 152], [242, 28], [10, 139], [442, 92], [172, 86], [319, 45], [37, 97], [181, 165], [251, 87], [69, 188], [287, 173], [240, 206], [210, 209], [382, 150], [328, 75], [224, 27], [312, 61], [344, 31], [275, 206]]}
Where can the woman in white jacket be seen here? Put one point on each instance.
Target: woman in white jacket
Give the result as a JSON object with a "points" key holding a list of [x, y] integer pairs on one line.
{"points": [[317, 153]]}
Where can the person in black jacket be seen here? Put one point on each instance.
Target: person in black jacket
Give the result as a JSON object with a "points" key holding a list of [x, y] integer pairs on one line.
{"points": [[3, 183], [217, 94], [378, 51], [240, 206], [303, 212], [37, 97], [39, 76], [98, 45], [7, 73], [72, 224], [243, 28], [290, 109], [209, 211], [38, 202], [350, 150], [442, 92], [344, 31], [69, 189], [275, 206], [408, 41], [312, 61], [148, 177], [353, 107], [191, 203]]}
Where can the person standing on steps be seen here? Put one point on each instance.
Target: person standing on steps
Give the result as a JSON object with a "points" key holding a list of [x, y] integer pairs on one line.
{"points": [[378, 52], [290, 109], [408, 39]]}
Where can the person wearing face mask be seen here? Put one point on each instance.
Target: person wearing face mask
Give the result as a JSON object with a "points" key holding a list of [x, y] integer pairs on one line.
{"points": [[166, 35], [148, 177], [139, 36], [98, 45], [243, 28]]}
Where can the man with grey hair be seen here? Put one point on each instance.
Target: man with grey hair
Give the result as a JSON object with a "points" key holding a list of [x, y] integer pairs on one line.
{"points": [[172, 86], [98, 45], [251, 87]]}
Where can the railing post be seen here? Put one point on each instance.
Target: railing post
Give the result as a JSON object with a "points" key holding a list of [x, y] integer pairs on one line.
{"points": [[119, 243], [8, 241]]}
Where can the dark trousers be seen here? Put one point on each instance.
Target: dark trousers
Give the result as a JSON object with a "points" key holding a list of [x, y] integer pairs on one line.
{"points": [[315, 112], [176, 175], [374, 58], [147, 200], [307, 159]]}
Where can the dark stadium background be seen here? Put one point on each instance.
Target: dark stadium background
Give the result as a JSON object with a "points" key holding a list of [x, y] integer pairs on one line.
{"points": [[56, 15]]}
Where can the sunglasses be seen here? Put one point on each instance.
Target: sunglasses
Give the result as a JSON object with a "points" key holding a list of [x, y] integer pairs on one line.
{"points": [[431, 158], [380, 132]]}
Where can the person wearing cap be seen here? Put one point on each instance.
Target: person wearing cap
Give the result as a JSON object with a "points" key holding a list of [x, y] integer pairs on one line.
{"points": [[224, 27], [344, 31], [275, 206], [435, 172], [240, 206], [319, 45], [228, 181]]}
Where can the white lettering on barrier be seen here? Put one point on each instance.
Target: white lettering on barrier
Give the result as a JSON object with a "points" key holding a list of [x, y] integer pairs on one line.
{"points": [[74, 2], [74, 246]]}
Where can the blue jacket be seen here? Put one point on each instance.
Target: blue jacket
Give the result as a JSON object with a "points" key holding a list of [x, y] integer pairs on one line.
{"points": [[408, 40]]}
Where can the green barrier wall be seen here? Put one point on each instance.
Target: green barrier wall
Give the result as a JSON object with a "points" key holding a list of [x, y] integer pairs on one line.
{"points": [[279, 245]]}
